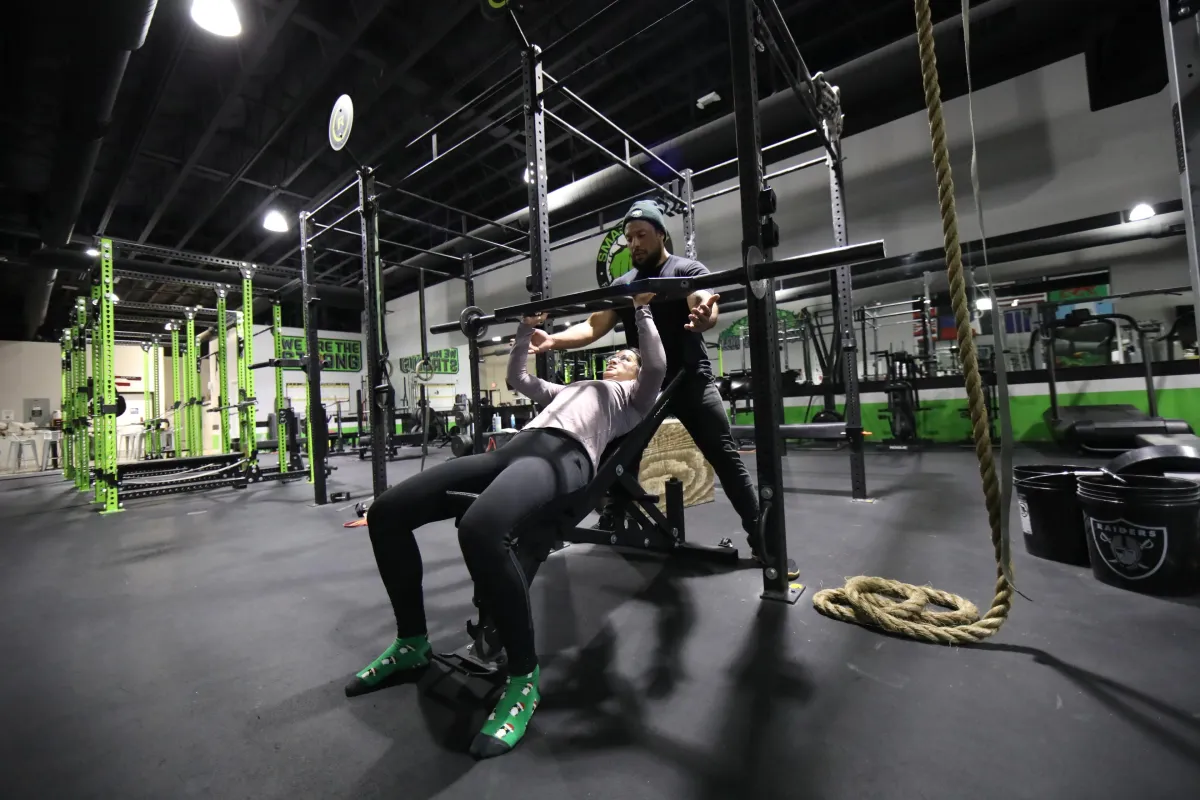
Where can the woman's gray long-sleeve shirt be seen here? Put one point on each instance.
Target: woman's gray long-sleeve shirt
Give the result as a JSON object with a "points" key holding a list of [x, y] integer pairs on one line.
{"points": [[593, 412]]}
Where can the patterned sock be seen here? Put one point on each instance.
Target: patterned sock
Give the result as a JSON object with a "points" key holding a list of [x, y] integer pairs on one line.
{"points": [[403, 659], [508, 723]]}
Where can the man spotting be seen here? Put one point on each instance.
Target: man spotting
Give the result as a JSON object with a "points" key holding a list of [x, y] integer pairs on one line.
{"points": [[681, 325]]}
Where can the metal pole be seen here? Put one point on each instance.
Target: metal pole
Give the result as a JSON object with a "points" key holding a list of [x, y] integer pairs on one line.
{"points": [[768, 404], [277, 342], [689, 216], [1183, 52], [191, 375], [473, 357], [539, 211], [426, 414], [106, 386], [177, 440], [317, 440], [247, 414], [843, 299], [374, 331], [223, 367]]}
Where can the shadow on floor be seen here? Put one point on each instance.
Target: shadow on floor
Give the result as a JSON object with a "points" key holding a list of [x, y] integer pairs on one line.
{"points": [[749, 742], [1144, 712]]}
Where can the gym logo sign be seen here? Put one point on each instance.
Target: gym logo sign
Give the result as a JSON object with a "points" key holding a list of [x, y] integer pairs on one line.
{"points": [[1134, 552], [613, 260], [342, 355]]}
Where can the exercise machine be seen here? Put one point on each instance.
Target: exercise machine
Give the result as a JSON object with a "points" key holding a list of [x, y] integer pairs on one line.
{"points": [[1102, 429], [904, 401]]}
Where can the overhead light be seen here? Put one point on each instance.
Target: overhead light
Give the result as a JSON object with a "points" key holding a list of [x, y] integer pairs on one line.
{"points": [[525, 177], [983, 304], [275, 222], [219, 17], [708, 100], [1141, 211], [93, 252], [496, 338], [1016, 303]]}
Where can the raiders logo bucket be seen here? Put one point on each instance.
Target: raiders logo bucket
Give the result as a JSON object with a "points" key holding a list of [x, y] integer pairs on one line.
{"points": [[1143, 531]]}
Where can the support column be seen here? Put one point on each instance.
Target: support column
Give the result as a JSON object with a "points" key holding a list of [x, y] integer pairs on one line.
{"points": [[1182, 39], [68, 400], [147, 396], [79, 423], [536, 175], [106, 387], [843, 318], [760, 307], [192, 377], [318, 440], [97, 419], [375, 332], [277, 341], [156, 405], [247, 411], [473, 357], [178, 407], [223, 365]]}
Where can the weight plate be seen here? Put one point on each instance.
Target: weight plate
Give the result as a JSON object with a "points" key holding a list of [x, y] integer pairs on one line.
{"points": [[121, 404], [341, 121], [827, 416], [468, 322]]}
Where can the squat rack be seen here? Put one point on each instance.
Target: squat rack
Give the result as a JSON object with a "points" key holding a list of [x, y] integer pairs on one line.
{"points": [[749, 21], [94, 321]]}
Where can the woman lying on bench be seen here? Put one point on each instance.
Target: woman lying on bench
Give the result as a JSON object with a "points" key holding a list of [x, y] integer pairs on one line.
{"points": [[555, 454]]}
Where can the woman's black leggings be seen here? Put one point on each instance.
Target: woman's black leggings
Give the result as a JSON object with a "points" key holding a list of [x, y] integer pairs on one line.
{"points": [[514, 483]]}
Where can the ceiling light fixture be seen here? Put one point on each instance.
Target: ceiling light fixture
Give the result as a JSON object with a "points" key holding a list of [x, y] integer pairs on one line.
{"points": [[1141, 211], [708, 100], [983, 304], [219, 17], [275, 222], [93, 252]]}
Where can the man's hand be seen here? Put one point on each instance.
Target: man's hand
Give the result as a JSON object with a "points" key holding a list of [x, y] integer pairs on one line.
{"points": [[703, 314], [540, 342], [644, 299]]}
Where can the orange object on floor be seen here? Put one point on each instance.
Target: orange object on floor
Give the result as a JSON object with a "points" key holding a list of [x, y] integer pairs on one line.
{"points": [[358, 523]]}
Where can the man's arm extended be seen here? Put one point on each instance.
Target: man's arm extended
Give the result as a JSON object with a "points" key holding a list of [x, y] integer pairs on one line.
{"points": [[576, 336]]}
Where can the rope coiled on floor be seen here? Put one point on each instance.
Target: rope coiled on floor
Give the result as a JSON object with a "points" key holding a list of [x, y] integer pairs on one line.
{"points": [[901, 608]]}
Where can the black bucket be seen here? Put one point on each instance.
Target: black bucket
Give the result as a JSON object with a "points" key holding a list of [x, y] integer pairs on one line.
{"points": [[1051, 520], [1143, 532]]}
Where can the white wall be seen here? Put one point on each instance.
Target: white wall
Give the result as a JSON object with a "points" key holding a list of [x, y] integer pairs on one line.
{"points": [[30, 370], [1044, 157]]}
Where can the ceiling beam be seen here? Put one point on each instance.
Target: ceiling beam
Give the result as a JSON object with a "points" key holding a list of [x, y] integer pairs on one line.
{"points": [[258, 51], [342, 46], [145, 120], [428, 41]]}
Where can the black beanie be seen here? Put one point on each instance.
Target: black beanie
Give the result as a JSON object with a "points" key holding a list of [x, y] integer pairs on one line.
{"points": [[648, 211]]}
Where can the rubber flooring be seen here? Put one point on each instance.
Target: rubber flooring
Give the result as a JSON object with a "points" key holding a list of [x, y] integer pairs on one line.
{"points": [[196, 646]]}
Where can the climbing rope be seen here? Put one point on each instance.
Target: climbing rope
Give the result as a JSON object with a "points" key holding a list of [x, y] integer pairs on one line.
{"points": [[903, 608]]}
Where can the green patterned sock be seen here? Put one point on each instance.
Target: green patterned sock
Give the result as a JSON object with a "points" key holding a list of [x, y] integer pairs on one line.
{"points": [[403, 659], [508, 723]]}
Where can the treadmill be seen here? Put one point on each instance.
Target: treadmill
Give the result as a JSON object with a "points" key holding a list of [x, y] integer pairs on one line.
{"points": [[1103, 429]]}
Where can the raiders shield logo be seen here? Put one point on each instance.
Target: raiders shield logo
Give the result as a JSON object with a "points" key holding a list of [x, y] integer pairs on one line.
{"points": [[1133, 551]]}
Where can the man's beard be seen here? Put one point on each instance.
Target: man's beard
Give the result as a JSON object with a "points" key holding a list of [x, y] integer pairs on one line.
{"points": [[649, 260]]}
